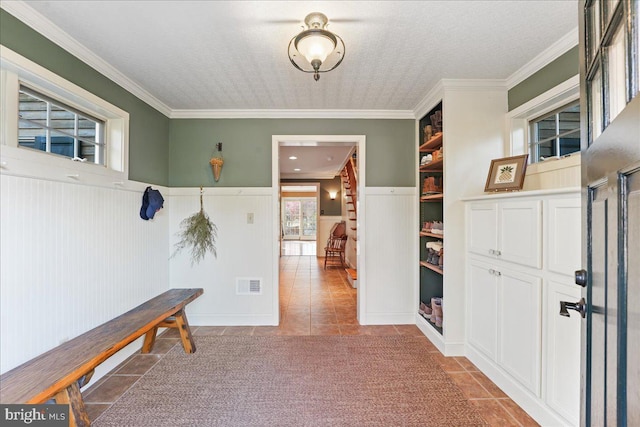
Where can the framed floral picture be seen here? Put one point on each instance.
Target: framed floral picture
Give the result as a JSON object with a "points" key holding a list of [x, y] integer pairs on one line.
{"points": [[506, 174]]}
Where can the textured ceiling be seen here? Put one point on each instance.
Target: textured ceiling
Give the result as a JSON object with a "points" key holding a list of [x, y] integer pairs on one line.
{"points": [[321, 161], [232, 54]]}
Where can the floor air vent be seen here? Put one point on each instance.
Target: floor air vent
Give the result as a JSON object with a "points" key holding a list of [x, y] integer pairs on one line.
{"points": [[248, 286]]}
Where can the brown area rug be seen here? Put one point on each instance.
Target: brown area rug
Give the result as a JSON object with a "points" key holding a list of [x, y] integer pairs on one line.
{"points": [[295, 381]]}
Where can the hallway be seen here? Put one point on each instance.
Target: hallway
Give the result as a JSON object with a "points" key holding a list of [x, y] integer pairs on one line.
{"points": [[314, 301]]}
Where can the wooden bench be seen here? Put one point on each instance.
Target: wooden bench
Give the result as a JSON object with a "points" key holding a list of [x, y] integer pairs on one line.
{"points": [[55, 374]]}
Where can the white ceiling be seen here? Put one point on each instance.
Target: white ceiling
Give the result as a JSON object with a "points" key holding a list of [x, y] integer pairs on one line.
{"points": [[318, 161], [232, 55], [228, 58]]}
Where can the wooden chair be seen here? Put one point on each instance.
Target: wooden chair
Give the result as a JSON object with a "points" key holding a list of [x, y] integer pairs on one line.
{"points": [[336, 243]]}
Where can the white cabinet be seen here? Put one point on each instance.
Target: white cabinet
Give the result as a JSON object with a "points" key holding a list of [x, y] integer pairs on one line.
{"points": [[482, 228], [505, 319], [510, 231], [522, 250], [562, 376], [563, 235], [483, 307], [520, 326]]}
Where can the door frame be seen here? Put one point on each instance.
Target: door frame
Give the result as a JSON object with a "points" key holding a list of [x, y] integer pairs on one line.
{"points": [[312, 141]]}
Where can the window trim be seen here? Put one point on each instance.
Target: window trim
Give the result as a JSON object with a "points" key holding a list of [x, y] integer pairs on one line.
{"points": [[16, 70], [517, 120]]}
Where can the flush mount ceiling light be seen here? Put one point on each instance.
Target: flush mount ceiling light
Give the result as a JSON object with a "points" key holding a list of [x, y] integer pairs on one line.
{"points": [[316, 50]]}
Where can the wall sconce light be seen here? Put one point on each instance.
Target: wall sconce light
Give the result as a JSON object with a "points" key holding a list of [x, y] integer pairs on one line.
{"points": [[217, 162], [333, 194]]}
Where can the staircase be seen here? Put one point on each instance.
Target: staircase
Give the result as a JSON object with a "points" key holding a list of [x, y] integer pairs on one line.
{"points": [[349, 182]]}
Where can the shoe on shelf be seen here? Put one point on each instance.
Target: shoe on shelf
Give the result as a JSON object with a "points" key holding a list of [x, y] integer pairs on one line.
{"points": [[436, 306], [426, 159], [427, 311]]}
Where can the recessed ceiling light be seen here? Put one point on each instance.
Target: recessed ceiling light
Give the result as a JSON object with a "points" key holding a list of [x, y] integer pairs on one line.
{"points": [[293, 158], [296, 170]]}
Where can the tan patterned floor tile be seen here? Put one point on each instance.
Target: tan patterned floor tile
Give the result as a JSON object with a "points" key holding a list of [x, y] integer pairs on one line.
{"points": [[469, 386], [518, 413], [449, 364], [493, 389], [494, 414]]}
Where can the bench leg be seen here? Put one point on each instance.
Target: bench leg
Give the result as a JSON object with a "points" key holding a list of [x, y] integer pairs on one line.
{"points": [[177, 321], [185, 332], [77, 412], [149, 340]]}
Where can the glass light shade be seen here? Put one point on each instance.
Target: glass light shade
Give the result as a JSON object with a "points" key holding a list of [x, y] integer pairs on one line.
{"points": [[315, 46]]}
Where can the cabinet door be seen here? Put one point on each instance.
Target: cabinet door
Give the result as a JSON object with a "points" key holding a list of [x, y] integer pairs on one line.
{"points": [[482, 228], [563, 235], [520, 326], [482, 307], [520, 233], [562, 367]]}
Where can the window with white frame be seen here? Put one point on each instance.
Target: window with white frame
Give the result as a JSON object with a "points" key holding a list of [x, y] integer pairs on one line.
{"points": [[49, 125], [555, 134], [46, 121]]}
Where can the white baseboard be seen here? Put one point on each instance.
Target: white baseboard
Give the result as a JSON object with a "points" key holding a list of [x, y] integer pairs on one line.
{"points": [[533, 405], [446, 348]]}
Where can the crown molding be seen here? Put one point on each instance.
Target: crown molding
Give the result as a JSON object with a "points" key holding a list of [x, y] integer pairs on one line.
{"points": [[550, 54], [291, 114], [429, 101], [436, 94], [42, 25]]}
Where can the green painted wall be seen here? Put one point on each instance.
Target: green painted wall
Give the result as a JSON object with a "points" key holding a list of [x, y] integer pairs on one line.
{"points": [[390, 149], [148, 128], [328, 207], [556, 72]]}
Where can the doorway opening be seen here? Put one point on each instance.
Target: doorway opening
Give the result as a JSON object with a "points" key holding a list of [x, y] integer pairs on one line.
{"points": [[299, 214], [334, 164]]}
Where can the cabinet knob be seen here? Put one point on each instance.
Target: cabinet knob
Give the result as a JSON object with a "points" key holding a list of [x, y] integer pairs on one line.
{"points": [[580, 307], [498, 253], [581, 278], [492, 252]]}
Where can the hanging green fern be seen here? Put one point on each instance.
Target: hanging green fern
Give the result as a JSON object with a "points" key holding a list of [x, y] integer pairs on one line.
{"points": [[199, 234]]}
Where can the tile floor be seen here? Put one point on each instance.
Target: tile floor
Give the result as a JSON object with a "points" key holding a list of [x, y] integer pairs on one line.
{"points": [[315, 302]]}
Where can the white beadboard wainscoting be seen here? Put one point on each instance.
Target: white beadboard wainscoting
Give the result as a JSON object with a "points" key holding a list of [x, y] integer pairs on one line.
{"points": [[73, 257], [390, 262], [245, 250]]}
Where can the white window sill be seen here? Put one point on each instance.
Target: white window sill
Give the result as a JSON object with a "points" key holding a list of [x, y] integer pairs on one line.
{"points": [[554, 164]]}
